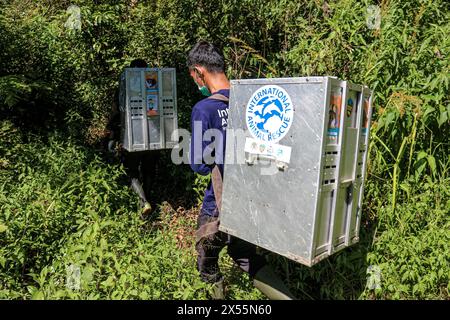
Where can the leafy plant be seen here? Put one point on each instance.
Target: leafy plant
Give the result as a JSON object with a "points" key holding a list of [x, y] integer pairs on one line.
{"points": [[64, 211]]}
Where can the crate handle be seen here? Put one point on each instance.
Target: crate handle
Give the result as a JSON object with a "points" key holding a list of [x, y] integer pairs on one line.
{"points": [[251, 158]]}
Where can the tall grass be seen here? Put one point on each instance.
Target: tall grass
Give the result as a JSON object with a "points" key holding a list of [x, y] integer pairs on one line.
{"points": [[62, 205]]}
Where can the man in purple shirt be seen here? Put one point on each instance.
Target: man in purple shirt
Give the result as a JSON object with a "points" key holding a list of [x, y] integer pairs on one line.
{"points": [[208, 124]]}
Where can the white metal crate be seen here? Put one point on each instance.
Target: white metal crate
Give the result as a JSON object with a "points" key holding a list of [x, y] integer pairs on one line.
{"points": [[308, 205], [148, 106]]}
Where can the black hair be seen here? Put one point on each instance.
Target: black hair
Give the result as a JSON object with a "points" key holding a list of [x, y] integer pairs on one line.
{"points": [[138, 63], [207, 55]]}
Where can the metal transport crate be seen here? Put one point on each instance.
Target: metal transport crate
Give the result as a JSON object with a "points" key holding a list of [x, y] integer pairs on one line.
{"points": [[295, 164], [148, 107]]}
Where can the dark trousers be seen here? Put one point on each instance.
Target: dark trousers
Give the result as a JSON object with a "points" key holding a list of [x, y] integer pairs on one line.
{"points": [[208, 248], [140, 168]]}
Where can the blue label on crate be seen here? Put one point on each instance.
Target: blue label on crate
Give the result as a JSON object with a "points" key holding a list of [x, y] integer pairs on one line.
{"points": [[152, 105], [269, 113], [334, 112]]}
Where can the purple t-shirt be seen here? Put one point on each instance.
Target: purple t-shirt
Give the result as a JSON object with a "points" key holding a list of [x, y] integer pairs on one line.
{"points": [[208, 146]]}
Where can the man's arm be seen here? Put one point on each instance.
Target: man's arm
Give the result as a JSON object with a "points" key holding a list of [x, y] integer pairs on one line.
{"points": [[199, 124]]}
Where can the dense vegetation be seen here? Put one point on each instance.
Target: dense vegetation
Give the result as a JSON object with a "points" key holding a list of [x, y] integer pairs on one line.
{"points": [[64, 206]]}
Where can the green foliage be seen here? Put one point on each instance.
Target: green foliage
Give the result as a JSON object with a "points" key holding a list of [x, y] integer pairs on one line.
{"points": [[62, 207], [412, 244], [200, 185], [17, 88]]}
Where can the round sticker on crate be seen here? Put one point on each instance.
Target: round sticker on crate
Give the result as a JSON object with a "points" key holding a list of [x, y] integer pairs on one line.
{"points": [[269, 113]]}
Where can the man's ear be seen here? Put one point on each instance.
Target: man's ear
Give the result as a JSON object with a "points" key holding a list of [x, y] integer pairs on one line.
{"points": [[202, 70]]}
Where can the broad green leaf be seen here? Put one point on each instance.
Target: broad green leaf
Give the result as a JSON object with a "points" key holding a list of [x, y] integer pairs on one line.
{"points": [[442, 118], [432, 164], [422, 154], [3, 228]]}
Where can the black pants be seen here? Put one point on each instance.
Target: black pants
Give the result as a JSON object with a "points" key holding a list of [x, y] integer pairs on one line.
{"points": [[209, 247]]}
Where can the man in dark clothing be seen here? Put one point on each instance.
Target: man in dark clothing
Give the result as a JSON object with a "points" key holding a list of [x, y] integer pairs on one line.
{"points": [[139, 166], [209, 119]]}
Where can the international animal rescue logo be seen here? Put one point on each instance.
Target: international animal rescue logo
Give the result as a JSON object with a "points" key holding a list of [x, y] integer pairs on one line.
{"points": [[269, 113]]}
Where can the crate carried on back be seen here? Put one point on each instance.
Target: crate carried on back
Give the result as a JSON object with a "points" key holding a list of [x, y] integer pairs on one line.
{"points": [[295, 164], [148, 108]]}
